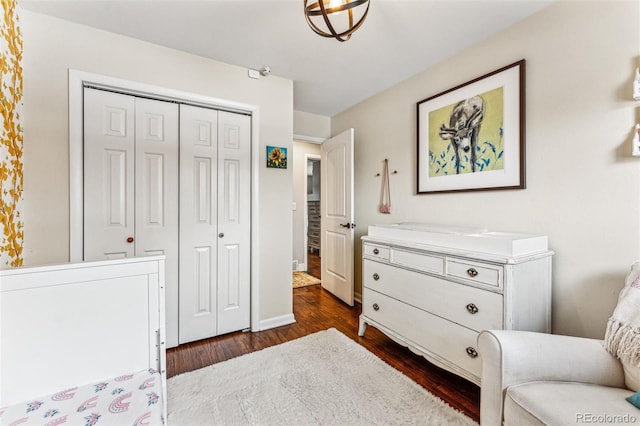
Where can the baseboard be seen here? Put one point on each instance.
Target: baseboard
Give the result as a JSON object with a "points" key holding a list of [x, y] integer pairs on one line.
{"points": [[357, 297], [276, 322], [302, 267]]}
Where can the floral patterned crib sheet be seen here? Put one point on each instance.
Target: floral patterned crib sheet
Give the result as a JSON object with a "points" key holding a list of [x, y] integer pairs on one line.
{"points": [[132, 399]]}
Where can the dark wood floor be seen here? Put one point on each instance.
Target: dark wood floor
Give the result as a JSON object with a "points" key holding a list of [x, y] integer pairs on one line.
{"points": [[316, 309], [313, 264]]}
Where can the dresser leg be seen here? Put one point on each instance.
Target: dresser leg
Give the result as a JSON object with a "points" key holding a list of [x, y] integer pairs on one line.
{"points": [[363, 327]]}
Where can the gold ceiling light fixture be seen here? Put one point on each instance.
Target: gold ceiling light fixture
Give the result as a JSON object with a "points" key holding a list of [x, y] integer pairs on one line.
{"points": [[336, 18]]}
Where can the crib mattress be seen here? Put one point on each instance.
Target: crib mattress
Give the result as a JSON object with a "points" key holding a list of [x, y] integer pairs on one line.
{"points": [[131, 399]]}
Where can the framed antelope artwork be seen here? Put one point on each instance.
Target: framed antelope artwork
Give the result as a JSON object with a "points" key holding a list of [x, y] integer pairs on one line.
{"points": [[472, 136]]}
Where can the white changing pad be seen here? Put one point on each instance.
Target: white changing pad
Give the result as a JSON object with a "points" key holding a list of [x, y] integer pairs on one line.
{"points": [[132, 399]]}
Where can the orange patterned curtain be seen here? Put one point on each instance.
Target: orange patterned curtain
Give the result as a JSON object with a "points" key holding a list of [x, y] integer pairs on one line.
{"points": [[11, 137]]}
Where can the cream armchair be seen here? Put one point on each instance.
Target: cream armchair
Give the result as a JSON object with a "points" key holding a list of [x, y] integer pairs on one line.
{"points": [[535, 378]]}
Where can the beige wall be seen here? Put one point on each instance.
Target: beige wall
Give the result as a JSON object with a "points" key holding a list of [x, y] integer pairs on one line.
{"points": [[53, 46], [583, 187], [311, 125]]}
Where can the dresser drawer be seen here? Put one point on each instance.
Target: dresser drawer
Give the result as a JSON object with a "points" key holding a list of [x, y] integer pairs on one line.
{"points": [[482, 273], [421, 261], [376, 251], [472, 307], [446, 341]]}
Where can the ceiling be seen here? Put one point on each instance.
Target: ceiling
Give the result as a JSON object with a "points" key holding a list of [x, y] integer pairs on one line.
{"points": [[399, 38]]}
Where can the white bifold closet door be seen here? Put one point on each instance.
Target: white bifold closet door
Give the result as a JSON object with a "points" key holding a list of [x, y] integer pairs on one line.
{"points": [[164, 178], [215, 219], [131, 183]]}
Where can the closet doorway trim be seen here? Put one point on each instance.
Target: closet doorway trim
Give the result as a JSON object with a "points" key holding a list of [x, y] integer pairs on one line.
{"points": [[77, 81]]}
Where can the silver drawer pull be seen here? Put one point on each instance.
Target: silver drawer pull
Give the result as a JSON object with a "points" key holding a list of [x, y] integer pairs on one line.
{"points": [[473, 309], [376, 307], [376, 276], [472, 352], [376, 251], [472, 272]]}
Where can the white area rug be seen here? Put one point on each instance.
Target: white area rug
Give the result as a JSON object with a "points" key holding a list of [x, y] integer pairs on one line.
{"points": [[321, 379]]}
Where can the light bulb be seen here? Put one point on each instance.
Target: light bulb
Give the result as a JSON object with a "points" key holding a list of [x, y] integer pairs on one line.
{"points": [[330, 4]]}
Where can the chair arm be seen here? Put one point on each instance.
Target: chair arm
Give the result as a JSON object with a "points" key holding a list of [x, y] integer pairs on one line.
{"points": [[511, 357]]}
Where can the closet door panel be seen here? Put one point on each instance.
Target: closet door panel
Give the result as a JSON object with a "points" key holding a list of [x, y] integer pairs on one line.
{"points": [[230, 285], [203, 277], [234, 220], [156, 217], [198, 223], [109, 142]]}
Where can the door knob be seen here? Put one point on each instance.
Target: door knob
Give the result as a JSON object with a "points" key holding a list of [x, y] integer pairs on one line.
{"points": [[130, 239], [348, 225], [221, 235]]}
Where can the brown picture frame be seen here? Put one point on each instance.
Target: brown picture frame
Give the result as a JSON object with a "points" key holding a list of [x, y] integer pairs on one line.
{"points": [[472, 137]]}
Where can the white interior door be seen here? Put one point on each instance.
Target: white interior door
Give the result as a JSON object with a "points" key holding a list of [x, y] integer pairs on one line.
{"points": [[336, 201], [234, 221], [198, 222], [109, 150]]}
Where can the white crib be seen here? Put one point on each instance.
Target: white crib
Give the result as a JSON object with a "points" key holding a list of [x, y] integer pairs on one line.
{"points": [[68, 330]]}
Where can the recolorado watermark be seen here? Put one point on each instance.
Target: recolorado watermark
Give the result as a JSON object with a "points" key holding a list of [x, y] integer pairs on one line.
{"points": [[605, 418]]}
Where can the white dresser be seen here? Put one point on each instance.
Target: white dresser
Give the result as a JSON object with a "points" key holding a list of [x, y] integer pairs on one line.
{"points": [[434, 288]]}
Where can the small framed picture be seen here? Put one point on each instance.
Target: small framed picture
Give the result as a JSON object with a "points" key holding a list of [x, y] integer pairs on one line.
{"points": [[276, 157]]}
